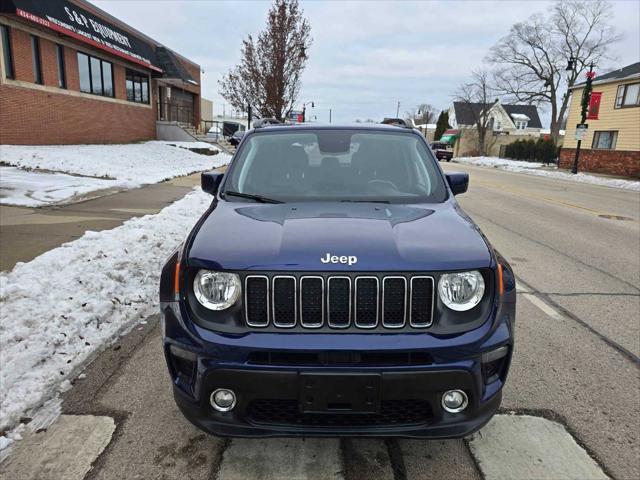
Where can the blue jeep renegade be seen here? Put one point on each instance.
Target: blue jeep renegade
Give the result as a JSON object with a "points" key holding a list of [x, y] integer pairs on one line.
{"points": [[335, 287]]}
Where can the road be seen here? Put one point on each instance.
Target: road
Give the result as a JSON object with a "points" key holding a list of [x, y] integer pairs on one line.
{"points": [[575, 249]]}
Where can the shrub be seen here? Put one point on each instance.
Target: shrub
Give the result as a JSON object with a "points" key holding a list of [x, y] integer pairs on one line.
{"points": [[529, 150]]}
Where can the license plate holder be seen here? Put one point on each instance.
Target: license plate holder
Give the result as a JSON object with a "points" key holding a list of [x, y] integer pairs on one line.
{"points": [[339, 393]]}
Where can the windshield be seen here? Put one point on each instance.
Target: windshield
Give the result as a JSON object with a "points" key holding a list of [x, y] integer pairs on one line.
{"points": [[336, 165]]}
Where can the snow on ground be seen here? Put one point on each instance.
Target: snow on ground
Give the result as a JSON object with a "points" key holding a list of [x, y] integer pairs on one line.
{"points": [[187, 145], [61, 308], [33, 189], [533, 168], [121, 166]]}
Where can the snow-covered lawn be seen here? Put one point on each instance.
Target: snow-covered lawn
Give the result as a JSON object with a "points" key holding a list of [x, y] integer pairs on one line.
{"points": [[61, 308], [121, 166], [21, 187], [534, 168]]}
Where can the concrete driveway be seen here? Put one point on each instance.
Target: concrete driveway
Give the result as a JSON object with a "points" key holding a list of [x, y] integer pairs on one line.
{"points": [[576, 251]]}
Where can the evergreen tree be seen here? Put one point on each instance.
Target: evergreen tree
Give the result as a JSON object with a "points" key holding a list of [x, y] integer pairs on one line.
{"points": [[441, 125]]}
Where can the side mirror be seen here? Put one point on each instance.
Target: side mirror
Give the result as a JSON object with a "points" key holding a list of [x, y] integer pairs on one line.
{"points": [[458, 181], [210, 181]]}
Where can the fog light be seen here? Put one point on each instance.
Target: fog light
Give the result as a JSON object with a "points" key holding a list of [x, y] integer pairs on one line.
{"points": [[223, 400], [454, 401]]}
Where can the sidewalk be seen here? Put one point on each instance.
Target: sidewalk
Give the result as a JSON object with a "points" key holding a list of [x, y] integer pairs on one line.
{"points": [[26, 233]]}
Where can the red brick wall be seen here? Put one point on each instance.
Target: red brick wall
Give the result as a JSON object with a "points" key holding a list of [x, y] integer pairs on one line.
{"points": [[612, 162], [38, 117]]}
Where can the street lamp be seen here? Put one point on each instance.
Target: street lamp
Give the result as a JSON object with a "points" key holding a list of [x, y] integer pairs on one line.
{"points": [[304, 109], [586, 99]]}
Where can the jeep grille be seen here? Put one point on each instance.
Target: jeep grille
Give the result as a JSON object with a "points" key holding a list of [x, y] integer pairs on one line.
{"points": [[339, 301]]}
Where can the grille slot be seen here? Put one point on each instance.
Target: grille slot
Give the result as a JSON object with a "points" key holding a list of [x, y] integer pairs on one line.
{"points": [[339, 302], [256, 300], [312, 302], [366, 300], [394, 301], [421, 308], [284, 301]]}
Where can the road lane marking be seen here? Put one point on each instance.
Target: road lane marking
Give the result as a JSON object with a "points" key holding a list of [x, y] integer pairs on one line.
{"points": [[548, 309], [65, 451], [282, 458], [523, 446], [556, 311]]}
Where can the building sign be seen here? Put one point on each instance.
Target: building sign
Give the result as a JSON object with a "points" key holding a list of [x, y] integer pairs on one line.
{"points": [[66, 17], [295, 116], [594, 106], [581, 131]]}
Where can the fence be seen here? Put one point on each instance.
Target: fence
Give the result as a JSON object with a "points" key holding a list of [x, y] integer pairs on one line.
{"points": [[175, 112]]}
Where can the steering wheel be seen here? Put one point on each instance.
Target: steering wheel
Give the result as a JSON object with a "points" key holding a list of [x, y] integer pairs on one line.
{"points": [[383, 182]]}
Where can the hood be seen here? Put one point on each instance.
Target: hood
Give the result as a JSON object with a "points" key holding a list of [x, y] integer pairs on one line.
{"points": [[296, 236]]}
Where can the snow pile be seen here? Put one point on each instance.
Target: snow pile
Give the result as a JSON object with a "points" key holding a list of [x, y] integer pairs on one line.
{"points": [[19, 187], [121, 166], [62, 307], [533, 168], [187, 145], [495, 162]]}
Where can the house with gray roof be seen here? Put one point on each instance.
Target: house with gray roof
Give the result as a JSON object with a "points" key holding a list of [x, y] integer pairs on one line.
{"points": [[506, 119]]}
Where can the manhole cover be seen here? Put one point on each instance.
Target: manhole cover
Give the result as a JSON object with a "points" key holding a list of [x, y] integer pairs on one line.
{"points": [[616, 217]]}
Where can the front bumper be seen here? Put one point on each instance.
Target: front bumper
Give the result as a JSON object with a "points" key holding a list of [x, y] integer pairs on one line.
{"points": [[268, 387], [268, 407]]}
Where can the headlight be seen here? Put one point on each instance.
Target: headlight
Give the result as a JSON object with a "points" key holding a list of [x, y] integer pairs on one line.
{"points": [[216, 290], [461, 291]]}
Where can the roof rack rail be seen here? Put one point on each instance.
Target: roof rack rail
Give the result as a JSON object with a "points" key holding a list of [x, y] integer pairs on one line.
{"points": [[398, 122], [263, 122]]}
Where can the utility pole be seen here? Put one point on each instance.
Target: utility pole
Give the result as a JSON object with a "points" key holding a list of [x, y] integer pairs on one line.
{"points": [[398, 109], [248, 117], [329, 115], [586, 99]]}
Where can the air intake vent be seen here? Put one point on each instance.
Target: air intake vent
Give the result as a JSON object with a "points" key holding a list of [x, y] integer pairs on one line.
{"points": [[367, 302], [421, 313], [339, 302], [284, 301], [256, 297], [311, 301], [394, 301]]}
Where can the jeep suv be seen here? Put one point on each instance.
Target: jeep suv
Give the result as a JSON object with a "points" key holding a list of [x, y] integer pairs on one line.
{"points": [[335, 287]]}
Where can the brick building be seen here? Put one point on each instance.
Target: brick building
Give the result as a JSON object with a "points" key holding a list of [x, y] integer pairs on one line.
{"points": [[72, 73], [612, 142]]}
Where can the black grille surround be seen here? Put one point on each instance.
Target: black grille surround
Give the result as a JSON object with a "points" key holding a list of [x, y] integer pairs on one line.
{"points": [[338, 301]]}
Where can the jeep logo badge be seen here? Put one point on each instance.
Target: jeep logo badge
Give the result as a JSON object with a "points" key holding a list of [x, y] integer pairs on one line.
{"points": [[350, 260]]}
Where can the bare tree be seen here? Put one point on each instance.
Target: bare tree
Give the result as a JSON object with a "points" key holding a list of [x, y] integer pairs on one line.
{"points": [[269, 74], [531, 60], [422, 114], [476, 95]]}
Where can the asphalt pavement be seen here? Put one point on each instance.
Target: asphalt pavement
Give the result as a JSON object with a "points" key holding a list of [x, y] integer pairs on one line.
{"points": [[571, 406]]}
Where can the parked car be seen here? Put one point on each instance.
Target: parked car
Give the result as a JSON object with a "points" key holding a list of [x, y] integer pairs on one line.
{"points": [[321, 294], [443, 151], [236, 137]]}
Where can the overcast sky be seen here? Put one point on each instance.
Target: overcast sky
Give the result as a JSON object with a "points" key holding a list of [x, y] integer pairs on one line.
{"points": [[366, 56]]}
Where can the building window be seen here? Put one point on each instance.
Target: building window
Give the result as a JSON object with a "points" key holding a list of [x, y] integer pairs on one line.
{"points": [[604, 140], [96, 75], [521, 124], [37, 63], [62, 77], [137, 87], [628, 95], [6, 51]]}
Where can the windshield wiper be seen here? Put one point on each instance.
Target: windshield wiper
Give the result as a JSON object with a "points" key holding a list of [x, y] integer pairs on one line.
{"points": [[257, 198], [366, 201]]}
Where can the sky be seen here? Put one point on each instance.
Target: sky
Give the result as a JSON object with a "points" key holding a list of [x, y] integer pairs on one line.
{"points": [[366, 55]]}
